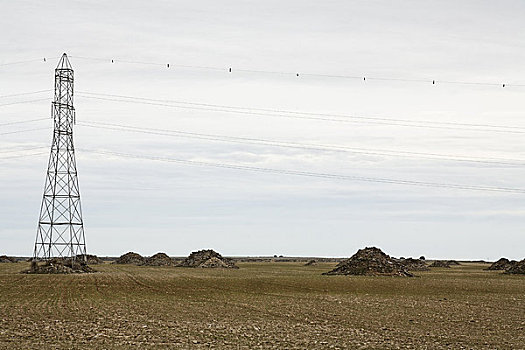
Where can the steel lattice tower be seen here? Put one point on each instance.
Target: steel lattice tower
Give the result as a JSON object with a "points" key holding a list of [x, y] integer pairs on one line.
{"points": [[60, 227]]}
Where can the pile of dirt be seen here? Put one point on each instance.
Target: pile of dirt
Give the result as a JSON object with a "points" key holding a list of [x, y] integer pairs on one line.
{"points": [[130, 258], [311, 263], [59, 266], [502, 265], [208, 259], [90, 259], [159, 259], [517, 269], [440, 263], [412, 264], [370, 262], [213, 263], [453, 262], [7, 259]]}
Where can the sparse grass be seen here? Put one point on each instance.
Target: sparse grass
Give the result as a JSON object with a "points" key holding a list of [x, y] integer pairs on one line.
{"points": [[261, 305]]}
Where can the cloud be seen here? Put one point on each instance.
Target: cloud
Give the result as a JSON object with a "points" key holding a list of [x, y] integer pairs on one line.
{"points": [[184, 207]]}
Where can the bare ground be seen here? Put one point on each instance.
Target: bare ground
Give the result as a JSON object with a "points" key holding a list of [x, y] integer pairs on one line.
{"points": [[261, 305]]}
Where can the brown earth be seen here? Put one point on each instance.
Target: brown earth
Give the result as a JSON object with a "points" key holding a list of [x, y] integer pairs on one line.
{"points": [[59, 266], [517, 269], [502, 265], [260, 306], [440, 263], [213, 263], [7, 259], [130, 258], [370, 262], [412, 264], [303, 260], [207, 259], [311, 263], [90, 259], [159, 259]]}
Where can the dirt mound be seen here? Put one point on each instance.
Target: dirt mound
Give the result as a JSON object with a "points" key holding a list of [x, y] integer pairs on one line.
{"points": [[453, 262], [517, 268], [159, 259], [502, 265], [90, 259], [412, 264], [213, 263], [311, 263], [440, 263], [370, 262], [59, 266], [7, 259], [130, 258], [207, 259]]}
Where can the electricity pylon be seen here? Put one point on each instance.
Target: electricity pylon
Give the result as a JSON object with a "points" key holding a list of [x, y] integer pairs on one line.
{"points": [[60, 227]]}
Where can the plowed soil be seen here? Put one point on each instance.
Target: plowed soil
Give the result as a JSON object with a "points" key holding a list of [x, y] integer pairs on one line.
{"points": [[260, 306]]}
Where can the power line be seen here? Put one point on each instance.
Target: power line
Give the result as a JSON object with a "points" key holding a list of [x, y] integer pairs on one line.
{"points": [[24, 121], [26, 101], [313, 174], [303, 113], [297, 73], [22, 149], [285, 144], [22, 131], [23, 155], [297, 145], [43, 59], [25, 93], [167, 65], [308, 115]]}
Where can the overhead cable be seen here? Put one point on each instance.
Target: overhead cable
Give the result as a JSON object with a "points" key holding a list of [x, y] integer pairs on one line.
{"points": [[307, 146], [310, 116], [24, 121], [23, 155], [22, 131], [312, 174], [297, 73], [25, 93], [13, 150], [42, 59], [26, 101]]}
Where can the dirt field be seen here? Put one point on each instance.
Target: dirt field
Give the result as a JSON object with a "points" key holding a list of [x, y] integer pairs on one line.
{"points": [[261, 305]]}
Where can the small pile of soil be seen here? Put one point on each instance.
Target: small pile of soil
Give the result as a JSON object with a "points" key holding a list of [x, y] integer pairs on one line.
{"points": [[90, 259], [311, 263], [370, 262], [159, 259], [412, 264], [453, 262], [502, 265], [207, 259], [59, 266], [440, 263], [213, 263], [517, 269], [7, 259], [130, 258]]}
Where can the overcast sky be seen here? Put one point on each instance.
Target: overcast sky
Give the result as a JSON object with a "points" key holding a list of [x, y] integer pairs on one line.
{"points": [[149, 206]]}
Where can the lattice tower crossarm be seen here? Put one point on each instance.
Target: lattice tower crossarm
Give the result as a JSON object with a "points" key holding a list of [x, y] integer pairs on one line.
{"points": [[60, 230]]}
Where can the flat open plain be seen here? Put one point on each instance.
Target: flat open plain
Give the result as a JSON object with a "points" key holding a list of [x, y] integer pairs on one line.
{"points": [[261, 305]]}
